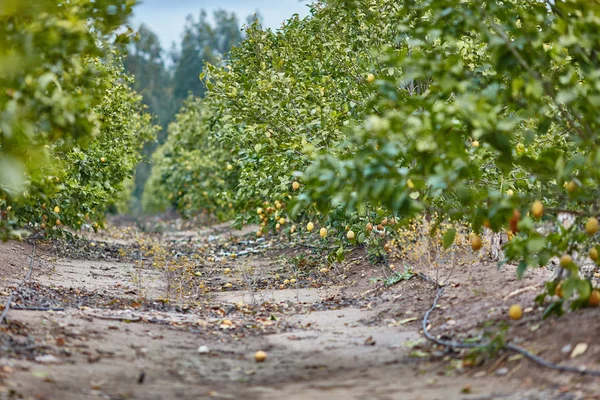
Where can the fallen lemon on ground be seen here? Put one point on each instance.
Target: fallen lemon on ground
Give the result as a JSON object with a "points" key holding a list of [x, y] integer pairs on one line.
{"points": [[515, 312], [260, 356]]}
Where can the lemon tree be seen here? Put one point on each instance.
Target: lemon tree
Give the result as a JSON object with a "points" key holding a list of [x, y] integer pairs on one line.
{"points": [[506, 120], [70, 128], [384, 110]]}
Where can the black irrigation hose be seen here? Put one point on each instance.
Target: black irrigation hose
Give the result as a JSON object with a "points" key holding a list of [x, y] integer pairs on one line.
{"points": [[506, 346], [10, 298]]}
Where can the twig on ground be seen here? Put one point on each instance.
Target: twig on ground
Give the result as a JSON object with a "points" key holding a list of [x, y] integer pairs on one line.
{"points": [[519, 291], [22, 308], [133, 318], [507, 346]]}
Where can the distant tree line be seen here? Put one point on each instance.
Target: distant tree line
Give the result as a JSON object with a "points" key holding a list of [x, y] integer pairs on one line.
{"points": [[165, 85]]}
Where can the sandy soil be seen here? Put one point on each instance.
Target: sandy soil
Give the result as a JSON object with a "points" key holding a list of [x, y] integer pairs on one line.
{"points": [[180, 314]]}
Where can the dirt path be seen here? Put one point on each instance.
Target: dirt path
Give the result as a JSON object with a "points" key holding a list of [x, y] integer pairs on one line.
{"points": [[179, 315]]}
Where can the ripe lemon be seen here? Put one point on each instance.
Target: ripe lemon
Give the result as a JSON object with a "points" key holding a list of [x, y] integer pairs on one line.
{"points": [[57, 209], [410, 184], [227, 271], [323, 232], [260, 356], [537, 209], [102, 159], [259, 210], [278, 226], [558, 290], [591, 226], [58, 223], [295, 185], [571, 186], [566, 260], [520, 147], [282, 221], [323, 270], [476, 243], [510, 192], [594, 298], [350, 235], [293, 229], [229, 167], [370, 78], [594, 254], [515, 312], [475, 143], [310, 226]]}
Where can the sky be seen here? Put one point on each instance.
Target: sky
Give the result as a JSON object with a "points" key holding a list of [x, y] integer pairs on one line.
{"points": [[167, 17]]}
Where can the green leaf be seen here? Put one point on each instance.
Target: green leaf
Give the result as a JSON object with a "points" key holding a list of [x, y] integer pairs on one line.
{"points": [[449, 237]]}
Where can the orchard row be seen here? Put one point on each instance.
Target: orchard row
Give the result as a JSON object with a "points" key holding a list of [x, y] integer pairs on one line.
{"points": [[369, 111]]}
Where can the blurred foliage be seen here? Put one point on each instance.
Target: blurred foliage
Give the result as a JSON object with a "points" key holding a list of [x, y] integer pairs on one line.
{"points": [[70, 127]]}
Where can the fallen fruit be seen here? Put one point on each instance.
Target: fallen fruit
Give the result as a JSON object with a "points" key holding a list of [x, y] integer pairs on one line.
{"points": [[324, 270], [591, 226], [515, 312], [260, 356], [227, 271]]}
